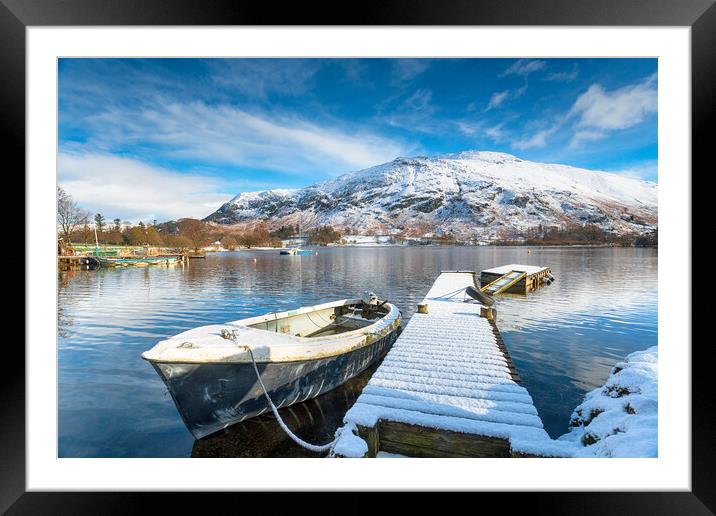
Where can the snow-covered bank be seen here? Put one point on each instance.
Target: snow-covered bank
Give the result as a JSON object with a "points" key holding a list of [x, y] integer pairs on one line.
{"points": [[620, 419]]}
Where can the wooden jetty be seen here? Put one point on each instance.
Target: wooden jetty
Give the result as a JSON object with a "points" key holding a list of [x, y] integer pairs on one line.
{"points": [[447, 388], [180, 257], [513, 278], [76, 262]]}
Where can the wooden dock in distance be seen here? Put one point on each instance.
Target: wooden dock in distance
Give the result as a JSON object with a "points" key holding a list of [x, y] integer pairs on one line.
{"points": [[533, 277], [76, 262], [447, 388], [67, 262], [180, 257]]}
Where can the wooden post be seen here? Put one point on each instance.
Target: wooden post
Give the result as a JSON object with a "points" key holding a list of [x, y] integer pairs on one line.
{"points": [[422, 308], [370, 435], [488, 312]]}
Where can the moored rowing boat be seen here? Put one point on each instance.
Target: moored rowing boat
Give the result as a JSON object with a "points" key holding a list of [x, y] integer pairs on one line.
{"points": [[151, 260], [300, 354]]}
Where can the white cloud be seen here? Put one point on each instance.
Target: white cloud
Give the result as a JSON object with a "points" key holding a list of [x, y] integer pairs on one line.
{"points": [[415, 113], [467, 128], [406, 69], [225, 134], [585, 135], [497, 99], [495, 133], [500, 97], [598, 111], [646, 170], [260, 78], [420, 101], [565, 76], [524, 67], [131, 190], [539, 139], [480, 130]]}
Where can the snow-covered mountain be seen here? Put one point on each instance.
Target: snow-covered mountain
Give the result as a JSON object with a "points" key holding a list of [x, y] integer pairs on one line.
{"points": [[469, 194]]}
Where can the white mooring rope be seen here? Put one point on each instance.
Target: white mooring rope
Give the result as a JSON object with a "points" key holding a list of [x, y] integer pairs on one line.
{"points": [[312, 447]]}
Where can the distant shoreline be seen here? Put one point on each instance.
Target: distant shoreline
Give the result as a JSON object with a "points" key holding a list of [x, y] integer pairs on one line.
{"points": [[584, 246]]}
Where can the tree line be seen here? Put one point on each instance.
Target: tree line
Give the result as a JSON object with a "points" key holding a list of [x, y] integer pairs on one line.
{"points": [[76, 225], [180, 234], [588, 234]]}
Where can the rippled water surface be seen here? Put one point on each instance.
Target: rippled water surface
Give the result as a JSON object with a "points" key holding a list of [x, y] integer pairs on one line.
{"points": [[563, 338]]}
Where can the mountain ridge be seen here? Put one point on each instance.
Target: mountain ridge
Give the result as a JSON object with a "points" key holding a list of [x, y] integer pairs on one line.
{"points": [[476, 194]]}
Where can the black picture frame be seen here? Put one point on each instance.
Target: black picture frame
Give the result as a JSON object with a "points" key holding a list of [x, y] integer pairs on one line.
{"points": [[700, 15]]}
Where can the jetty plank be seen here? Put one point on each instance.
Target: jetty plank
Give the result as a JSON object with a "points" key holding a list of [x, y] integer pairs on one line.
{"points": [[448, 387], [533, 277]]}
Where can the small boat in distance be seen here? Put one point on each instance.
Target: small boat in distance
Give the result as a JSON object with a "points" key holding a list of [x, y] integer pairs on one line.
{"points": [[106, 261], [295, 251], [300, 354], [116, 261]]}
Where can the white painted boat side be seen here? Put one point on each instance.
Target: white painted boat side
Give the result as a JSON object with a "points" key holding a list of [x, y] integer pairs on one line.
{"points": [[206, 345]]}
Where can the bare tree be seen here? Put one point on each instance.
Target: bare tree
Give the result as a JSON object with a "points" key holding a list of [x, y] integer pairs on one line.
{"points": [[69, 215], [229, 242]]}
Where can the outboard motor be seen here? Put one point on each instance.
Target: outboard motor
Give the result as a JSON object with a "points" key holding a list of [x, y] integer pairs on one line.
{"points": [[371, 305], [369, 298]]}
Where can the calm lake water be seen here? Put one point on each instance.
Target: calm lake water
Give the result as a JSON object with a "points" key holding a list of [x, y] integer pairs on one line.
{"points": [[564, 338]]}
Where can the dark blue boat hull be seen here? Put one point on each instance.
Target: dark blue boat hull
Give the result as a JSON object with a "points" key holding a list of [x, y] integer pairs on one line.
{"points": [[212, 396]]}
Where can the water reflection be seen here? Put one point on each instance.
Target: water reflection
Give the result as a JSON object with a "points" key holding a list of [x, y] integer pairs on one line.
{"points": [[314, 421], [564, 338]]}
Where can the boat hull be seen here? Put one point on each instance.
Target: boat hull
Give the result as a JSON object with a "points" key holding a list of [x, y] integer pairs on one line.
{"points": [[213, 396], [118, 262]]}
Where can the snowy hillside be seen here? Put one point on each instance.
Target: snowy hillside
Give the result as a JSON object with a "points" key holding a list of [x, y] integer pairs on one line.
{"points": [[468, 194]]}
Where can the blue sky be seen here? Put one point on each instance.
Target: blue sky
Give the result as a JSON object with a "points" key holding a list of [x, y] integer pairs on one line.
{"points": [[144, 139]]}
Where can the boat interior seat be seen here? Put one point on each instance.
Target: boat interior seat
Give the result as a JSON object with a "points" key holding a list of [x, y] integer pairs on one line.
{"points": [[320, 323]]}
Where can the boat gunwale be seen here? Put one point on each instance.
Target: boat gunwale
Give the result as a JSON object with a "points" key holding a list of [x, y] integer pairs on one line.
{"points": [[277, 316], [363, 334], [315, 308], [367, 342]]}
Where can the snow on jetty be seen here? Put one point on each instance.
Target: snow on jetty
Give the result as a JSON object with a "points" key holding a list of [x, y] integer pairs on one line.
{"points": [[448, 388], [448, 380], [620, 419]]}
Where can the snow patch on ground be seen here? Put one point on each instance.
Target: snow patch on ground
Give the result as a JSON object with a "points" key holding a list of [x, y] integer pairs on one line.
{"points": [[620, 419], [349, 444]]}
